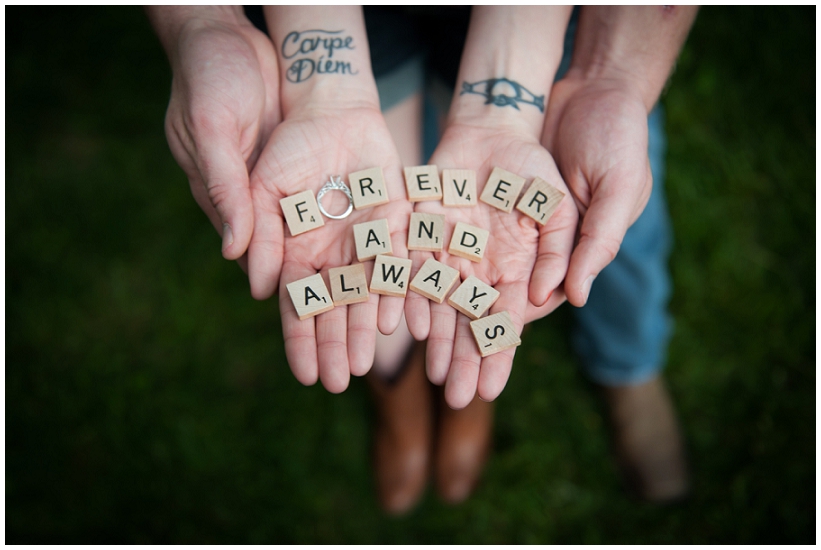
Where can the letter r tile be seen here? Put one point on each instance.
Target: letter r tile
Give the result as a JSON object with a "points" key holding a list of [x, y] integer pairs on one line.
{"points": [[301, 212], [468, 242], [502, 189], [368, 188], [310, 296], [540, 201]]}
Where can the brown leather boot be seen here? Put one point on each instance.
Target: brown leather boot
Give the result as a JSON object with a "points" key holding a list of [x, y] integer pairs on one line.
{"points": [[462, 448], [403, 434], [648, 440]]}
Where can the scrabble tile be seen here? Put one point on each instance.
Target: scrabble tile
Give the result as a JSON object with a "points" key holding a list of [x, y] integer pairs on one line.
{"points": [[434, 280], [310, 296], [348, 284], [422, 183], [459, 188], [473, 297], [390, 276], [501, 189], [368, 188], [301, 212], [495, 333], [372, 238], [540, 201], [468, 242], [426, 232]]}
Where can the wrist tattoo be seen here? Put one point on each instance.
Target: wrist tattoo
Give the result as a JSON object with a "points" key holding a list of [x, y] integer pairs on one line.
{"points": [[309, 49], [503, 92]]}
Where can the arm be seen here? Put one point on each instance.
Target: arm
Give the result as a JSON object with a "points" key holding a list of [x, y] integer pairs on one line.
{"points": [[224, 104], [332, 126], [596, 125], [498, 123]]}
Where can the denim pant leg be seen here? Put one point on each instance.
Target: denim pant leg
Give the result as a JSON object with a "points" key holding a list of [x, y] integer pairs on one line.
{"points": [[621, 334]]}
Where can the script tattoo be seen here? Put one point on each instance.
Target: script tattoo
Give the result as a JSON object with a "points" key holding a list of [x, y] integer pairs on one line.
{"points": [[503, 92], [304, 47]]}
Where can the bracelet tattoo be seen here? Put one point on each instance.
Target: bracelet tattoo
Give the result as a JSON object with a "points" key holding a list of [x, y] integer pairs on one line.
{"points": [[304, 47], [503, 92]]}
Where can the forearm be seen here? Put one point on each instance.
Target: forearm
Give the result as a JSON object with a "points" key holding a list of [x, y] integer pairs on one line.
{"points": [[510, 59], [324, 57], [635, 44]]}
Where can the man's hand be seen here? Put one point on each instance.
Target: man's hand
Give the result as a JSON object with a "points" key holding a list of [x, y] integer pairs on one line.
{"points": [[597, 132], [224, 105], [522, 260], [303, 153]]}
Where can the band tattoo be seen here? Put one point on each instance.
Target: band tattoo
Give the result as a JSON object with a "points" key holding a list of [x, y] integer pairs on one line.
{"points": [[503, 92], [304, 46]]}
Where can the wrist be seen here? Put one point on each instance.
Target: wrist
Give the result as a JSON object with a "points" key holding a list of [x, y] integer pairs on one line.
{"points": [[171, 22]]}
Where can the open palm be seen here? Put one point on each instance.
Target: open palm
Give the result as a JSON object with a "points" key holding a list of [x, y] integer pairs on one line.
{"points": [[522, 260], [303, 153]]}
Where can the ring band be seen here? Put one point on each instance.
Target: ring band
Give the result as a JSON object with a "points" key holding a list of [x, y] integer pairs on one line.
{"points": [[335, 184]]}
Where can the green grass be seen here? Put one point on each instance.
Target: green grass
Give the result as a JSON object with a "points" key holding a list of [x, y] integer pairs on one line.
{"points": [[148, 399]]}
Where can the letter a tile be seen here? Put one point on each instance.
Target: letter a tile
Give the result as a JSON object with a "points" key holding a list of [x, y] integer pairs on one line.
{"points": [[301, 212], [495, 333], [468, 242], [473, 297], [348, 284], [459, 188], [368, 188], [422, 183], [310, 296], [390, 276], [434, 280], [501, 189], [540, 201], [426, 232], [372, 238]]}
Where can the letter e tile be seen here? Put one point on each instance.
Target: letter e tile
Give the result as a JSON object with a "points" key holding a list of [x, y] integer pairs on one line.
{"points": [[501, 189], [422, 183]]}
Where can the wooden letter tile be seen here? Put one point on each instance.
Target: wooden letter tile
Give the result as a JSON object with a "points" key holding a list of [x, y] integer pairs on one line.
{"points": [[423, 183], [390, 276], [368, 188], [434, 280], [468, 242], [501, 189], [372, 238], [540, 201], [426, 232], [301, 212], [473, 297], [459, 188], [348, 284], [495, 333], [310, 296]]}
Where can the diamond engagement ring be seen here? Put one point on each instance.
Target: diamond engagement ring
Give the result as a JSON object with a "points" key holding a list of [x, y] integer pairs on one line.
{"points": [[335, 184]]}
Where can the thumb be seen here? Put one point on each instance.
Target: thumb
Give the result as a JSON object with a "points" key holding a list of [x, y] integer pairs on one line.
{"points": [[225, 178], [612, 210]]}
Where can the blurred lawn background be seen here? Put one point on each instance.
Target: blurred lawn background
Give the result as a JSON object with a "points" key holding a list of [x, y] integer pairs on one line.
{"points": [[148, 399]]}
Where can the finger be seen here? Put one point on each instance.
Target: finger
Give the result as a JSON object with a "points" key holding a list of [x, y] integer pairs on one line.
{"points": [[463, 375], [553, 255], [391, 308], [417, 307], [556, 299], [610, 214], [332, 349], [440, 342], [266, 249], [300, 336], [225, 177], [362, 335], [496, 368]]}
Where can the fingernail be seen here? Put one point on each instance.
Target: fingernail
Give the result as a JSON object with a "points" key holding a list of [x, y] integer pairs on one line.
{"points": [[227, 236], [586, 287]]}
